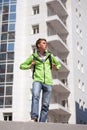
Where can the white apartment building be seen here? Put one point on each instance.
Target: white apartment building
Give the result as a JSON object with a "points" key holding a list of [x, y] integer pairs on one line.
{"points": [[63, 24]]}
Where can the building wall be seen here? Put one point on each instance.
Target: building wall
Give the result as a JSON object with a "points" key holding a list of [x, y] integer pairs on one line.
{"points": [[75, 54], [78, 70]]}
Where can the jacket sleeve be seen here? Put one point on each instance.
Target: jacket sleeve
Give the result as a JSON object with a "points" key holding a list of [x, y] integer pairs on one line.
{"points": [[26, 65], [56, 62]]}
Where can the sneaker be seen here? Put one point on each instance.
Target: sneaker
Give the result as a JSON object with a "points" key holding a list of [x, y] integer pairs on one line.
{"points": [[34, 120]]}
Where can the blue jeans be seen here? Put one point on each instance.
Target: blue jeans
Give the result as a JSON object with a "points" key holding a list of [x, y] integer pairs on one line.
{"points": [[46, 95]]}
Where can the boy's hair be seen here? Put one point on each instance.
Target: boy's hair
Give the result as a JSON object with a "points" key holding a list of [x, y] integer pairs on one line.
{"points": [[39, 40]]}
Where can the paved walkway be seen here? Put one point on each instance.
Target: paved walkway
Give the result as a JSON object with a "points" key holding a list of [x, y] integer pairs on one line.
{"points": [[39, 126]]}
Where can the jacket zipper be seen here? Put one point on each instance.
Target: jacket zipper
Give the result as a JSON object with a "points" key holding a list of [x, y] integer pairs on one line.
{"points": [[44, 71]]}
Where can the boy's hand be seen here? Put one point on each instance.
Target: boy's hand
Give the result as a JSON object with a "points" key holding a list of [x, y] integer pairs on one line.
{"points": [[54, 66], [32, 64]]}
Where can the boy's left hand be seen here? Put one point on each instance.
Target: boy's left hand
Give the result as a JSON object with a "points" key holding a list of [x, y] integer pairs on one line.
{"points": [[54, 66]]}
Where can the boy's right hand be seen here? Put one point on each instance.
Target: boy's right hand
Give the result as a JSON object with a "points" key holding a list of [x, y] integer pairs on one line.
{"points": [[32, 64]]}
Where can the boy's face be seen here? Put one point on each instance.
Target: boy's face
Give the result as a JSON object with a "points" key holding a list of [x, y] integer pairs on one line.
{"points": [[42, 45]]}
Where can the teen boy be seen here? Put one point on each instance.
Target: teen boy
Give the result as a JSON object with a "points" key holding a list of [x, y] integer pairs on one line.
{"points": [[42, 62]]}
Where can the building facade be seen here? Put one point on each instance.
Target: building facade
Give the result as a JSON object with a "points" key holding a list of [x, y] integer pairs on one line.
{"points": [[63, 24]]}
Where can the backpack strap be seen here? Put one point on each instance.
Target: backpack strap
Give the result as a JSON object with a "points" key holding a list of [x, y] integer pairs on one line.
{"points": [[50, 60], [34, 58]]}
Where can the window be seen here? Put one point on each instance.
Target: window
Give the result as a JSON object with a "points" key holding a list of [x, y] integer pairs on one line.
{"points": [[0, 1], [78, 46], [64, 81], [34, 49], [10, 47], [0, 9], [13, 0], [5, 17], [1, 90], [78, 64], [9, 78], [83, 87], [11, 35], [13, 8], [4, 27], [79, 16], [1, 101], [10, 56], [12, 17], [81, 50], [77, 28], [80, 103], [4, 36], [82, 68], [63, 103], [2, 78], [3, 48], [3, 56], [64, 60], [7, 116], [2, 68], [35, 29], [11, 27], [79, 83], [83, 106], [6, 1], [9, 90], [36, 10], [9, 68], [6, 9], [8, 101], [80, 33]]}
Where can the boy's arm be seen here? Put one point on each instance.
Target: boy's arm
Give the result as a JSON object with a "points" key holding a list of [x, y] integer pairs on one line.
{"points": [[55, 63], [27, 64]]}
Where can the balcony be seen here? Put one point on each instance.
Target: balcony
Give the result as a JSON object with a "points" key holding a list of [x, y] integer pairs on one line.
{"points": [[58, 7], [59, 109], [59, 114], [59, 87], [56, 45], [64, 68], [61, 74], [57, 24]]}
